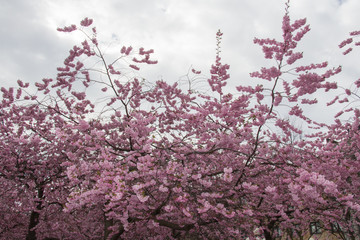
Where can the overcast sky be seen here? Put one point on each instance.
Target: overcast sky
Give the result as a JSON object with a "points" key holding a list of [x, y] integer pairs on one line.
{"points": [[182, 33]]}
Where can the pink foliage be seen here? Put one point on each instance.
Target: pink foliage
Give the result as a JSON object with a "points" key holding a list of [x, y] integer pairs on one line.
{"points": [[160, 162], [86, 22]]}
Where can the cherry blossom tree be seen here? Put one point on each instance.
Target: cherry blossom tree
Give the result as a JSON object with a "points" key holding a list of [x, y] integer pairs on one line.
{"points": [[97, 153]]}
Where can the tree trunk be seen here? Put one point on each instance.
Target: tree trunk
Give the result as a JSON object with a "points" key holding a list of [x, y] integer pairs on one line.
{"points": [[107, 223], [107, 232], [267, 235], [34, 216]]}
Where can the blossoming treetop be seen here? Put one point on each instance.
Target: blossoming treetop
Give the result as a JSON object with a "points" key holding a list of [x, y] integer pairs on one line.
{"points": [[161, 162]]}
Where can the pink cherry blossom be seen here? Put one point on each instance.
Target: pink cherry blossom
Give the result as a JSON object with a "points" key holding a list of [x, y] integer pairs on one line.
{"points": [[98, 153]]}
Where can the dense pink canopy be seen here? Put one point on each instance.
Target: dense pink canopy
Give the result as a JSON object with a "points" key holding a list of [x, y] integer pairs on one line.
{"points": [[97, 153]]}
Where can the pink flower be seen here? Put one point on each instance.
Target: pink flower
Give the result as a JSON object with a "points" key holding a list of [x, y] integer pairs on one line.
{"points": [[79, 65], [267, 73], [259, 96], [228, 177], [113, 71], [83, 125], [67, 29], [296, 110], [143, 52], [137, 187], [195, 72], [205, 208], [134, 67], [196, 176], [79, 95], [229, 214], [186, 211], [86, 22], [308, 101], [277, 99], [354, 33], [294, 57], [250, 186], [117, 196], [169, 208], [205, 183], [347, 51], [298, 23], [128, 50], [181, 199], [345, 42], [94, 41], [270, 189], [248, 212], [162, 188], [142, 197]]}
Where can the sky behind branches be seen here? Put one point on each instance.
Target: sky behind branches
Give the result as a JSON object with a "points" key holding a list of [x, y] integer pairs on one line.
{"points": [[182, 33]]}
